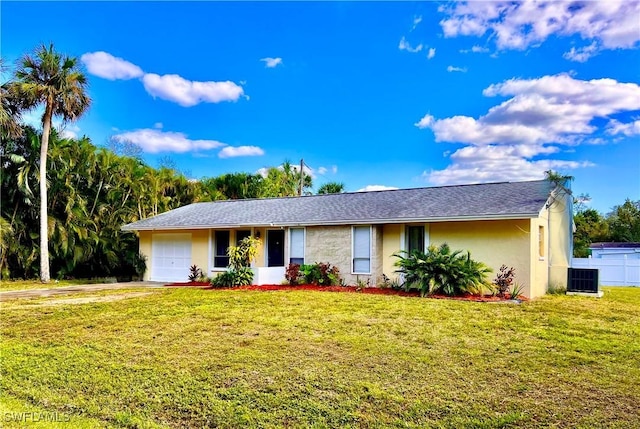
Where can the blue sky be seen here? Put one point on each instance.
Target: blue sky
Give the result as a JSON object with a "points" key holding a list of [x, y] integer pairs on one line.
{"points": [[370, 94]]}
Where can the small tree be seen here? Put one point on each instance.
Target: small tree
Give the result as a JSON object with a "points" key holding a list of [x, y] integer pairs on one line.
{"points": [[240, 259], [242, 255]]}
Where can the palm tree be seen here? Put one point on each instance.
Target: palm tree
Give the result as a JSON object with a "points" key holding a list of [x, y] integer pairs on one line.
{"points": [[49, 78], [9, 110], [331, 188]]}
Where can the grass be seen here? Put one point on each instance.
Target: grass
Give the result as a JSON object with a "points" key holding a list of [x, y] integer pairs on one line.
{"points": [[7, 285], [207, 358]]}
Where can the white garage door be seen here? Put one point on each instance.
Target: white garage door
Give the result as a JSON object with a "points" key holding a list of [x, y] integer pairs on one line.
{"points": [[170, 257]]}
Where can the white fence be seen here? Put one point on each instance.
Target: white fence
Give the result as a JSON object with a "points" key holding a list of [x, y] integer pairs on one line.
{"points": [[612, 272]]}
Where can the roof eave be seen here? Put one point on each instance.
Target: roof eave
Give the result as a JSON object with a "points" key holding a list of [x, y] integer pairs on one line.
{"points": [[514, 216]]}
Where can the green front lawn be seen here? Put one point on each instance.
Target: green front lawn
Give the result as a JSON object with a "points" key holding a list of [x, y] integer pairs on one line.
{"points": [[8, 285], [206, 358]]}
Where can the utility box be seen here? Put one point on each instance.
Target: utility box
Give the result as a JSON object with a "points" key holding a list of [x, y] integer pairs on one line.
{"points": [[583, 281]]}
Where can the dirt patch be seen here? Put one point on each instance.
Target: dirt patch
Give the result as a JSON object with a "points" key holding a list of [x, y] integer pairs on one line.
{"points": [[90, 299]]}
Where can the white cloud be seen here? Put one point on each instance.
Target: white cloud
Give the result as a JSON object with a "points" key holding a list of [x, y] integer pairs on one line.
{"points": [[631, 129], [416, 20], [456, 69], [271, 62], [107, 66], [189, 93], [476, 49], [170, 87], [235, 151], [581, 54], [519, 25], [540, 115], [431, 53], [405, 46], [68, 131], [156, 141], [504, 169], [371, 188], [324, 170]]}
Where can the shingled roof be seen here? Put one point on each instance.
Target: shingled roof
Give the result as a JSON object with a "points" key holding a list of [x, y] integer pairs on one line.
{"points": [[506, 200]]}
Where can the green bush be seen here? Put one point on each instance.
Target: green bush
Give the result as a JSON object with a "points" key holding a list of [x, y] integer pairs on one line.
{"points": [[320, 273], [440, 270], [233, 277]]}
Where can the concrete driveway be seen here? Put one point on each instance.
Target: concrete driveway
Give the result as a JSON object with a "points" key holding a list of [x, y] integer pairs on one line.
{"points": [[66, 290]]}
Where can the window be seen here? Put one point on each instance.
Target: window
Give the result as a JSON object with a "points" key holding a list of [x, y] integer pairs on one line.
{"points": [[241, 235], [541, 241], [296, 246], [220, 256], [362, 249], [415, 238]]}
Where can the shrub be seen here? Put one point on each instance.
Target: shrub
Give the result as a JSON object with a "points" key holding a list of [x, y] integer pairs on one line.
{"points": [[195, 273], [320, 273], [244, 253], [233, 277], [293, 274], [504, 280], [516, 291], [441, 270]]}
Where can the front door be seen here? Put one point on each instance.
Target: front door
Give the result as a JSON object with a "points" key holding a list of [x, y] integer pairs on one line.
{"points": [[275, 248]]}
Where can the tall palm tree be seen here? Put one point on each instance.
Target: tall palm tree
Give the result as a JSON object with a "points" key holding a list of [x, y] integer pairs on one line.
{"points": [[49, 78], [331, 188]]}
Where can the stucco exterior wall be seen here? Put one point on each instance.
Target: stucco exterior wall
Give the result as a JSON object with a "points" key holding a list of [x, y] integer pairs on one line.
{"points": [[200, 249], [144, 238], [391, 236], [560, 214], [261, 258], [491, 242], [539, 263]]}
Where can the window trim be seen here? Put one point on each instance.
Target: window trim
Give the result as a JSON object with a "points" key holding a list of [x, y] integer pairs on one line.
{"points": [[304, 244], [404, 236], [215, 249], [424, 236], [353, 248], [541, 243]]}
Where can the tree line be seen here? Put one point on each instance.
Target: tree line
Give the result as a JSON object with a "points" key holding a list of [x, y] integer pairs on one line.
{"points": [[622, 224], [92, 192]]}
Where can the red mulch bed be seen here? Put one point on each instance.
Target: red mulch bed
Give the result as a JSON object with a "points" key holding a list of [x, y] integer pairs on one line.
{"points": [[348, 289]]}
